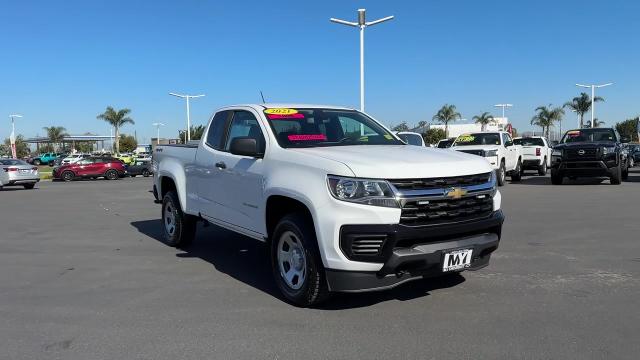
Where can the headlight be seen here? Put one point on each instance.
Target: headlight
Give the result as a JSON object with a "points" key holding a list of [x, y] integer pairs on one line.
{"points": [[556, 152], [608, 150], [490, 153], [362, 191]]}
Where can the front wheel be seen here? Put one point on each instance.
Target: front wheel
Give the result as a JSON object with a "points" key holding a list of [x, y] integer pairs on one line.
{"points": [[67, 176], [500, 174], [516, 175], [556, 177], [616, 177], [179, 228], [111, 175], [296, 263], [37, 162], [542, 169], [29, 186], [145, 173]]}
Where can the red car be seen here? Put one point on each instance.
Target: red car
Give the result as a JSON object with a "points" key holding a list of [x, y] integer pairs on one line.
{"points": [[93, 167]]}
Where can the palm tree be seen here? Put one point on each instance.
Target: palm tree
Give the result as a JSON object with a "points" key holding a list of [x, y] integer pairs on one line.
{"points": [[596, 123], [546, 116], [117, 119], [196, 133], [581, 105], [55, 134], [445, 115], [484, 119]]}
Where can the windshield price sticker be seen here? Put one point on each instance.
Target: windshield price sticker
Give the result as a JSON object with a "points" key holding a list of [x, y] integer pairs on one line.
{"points": [[307, 137], [466, 138], [286, 116]]}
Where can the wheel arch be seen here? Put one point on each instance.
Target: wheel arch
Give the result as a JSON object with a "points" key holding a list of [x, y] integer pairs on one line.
{"points": [[278, 206]]}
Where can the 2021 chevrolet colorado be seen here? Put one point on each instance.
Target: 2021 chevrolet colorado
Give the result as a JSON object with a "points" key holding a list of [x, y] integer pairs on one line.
{"points": [[344, 205]]}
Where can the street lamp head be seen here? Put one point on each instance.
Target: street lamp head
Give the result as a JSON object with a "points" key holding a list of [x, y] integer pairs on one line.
{"points": [[15, 116], [361, 17], [157, 124], [603, 85], [503, 105], [343, 22], [371, 23]]}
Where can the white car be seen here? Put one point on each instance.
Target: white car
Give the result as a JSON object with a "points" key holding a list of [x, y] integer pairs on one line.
{"points": [[411, 138], [536, 153], [15, 172], [343, 204], [498, 148], [74, 158]]}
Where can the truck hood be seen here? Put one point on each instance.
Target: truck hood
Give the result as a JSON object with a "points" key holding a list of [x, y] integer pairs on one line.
{"points": [[589, 144], [401, 161]]}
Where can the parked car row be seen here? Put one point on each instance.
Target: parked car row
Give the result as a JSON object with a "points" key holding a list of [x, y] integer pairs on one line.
{"points": [[107, 167]]}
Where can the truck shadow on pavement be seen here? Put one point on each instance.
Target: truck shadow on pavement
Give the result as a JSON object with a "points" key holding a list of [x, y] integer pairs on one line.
{"points": [[247, 260]]}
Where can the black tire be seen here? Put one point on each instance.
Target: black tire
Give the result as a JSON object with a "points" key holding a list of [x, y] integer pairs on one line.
{"points": [[625, 173], [313, 288], [145, 173], [111, 175], [67, 176], [179, 229], [542, 169], [500, 174], [37, 162], [556, 177], [29, 186], [516, 175], [616, 177], [133, 175]]}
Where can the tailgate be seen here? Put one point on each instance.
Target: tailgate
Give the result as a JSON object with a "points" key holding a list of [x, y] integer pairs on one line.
{"points": [[530, 151]]}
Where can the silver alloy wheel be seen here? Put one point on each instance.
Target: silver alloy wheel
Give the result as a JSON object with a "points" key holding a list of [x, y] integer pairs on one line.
{"points": [[169, 219], [502, 173], [292, 261]]}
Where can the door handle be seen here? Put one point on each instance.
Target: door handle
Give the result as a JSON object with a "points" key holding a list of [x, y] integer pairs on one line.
{"points": [[221, 165]]}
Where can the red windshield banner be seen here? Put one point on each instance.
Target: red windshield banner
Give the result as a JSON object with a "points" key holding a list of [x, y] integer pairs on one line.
{"points": [[307, 137], [286, 116]]}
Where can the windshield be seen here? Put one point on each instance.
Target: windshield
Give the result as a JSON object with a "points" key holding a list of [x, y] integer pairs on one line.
{"points": [[297, 128], [478, 139], [12, 162], [529, 141], [411, 139], [589, 135], [443, 144]]}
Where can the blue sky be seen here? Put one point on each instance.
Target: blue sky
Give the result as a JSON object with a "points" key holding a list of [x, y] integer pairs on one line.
{"points": [[63, 62]]}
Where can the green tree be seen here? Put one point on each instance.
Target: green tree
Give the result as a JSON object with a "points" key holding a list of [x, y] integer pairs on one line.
{"points": [[581, 105], [401, 127], [628, 129], [22, 148], [484, 119], [445, 115], [84, 146], [196, 133], [421, 124], [128, 143], [432, 136], [546, 117], [45, 148], [117, 119], [55, 134]]}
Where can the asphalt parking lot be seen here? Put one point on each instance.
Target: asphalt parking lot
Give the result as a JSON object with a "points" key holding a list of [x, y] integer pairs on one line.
{"points": [[84, 275]]}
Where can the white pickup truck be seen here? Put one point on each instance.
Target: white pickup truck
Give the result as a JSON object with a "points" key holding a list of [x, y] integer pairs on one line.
{"points": [[498, 148], [343, 204], [536, 153]]}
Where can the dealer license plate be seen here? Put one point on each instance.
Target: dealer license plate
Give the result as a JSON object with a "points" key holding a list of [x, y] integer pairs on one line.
{"points": [[25, 171], [457, 260]]}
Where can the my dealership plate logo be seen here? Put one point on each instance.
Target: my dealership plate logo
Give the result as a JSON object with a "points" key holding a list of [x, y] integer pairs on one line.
{"points": [[456, 193]]}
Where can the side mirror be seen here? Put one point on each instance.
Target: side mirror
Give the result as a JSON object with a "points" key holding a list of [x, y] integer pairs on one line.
{"points": [[245, 146], [624, 140], [508, 143]]}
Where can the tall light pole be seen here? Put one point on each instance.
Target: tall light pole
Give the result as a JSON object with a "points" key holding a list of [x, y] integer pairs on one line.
{"points": [[188, 117], [157, 125], [12, 138], [362, 23], [593, 94], [503, 106]]}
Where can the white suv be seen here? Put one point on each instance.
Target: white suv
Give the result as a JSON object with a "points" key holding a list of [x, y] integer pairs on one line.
{"points": [[344, 205]]}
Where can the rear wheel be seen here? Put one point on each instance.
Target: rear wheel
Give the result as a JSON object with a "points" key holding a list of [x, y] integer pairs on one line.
{"points": [[145, 173], [625, 173], [542, 169], [616, 177], [111, 175], [556, 177], [29, 186], [67, 176], [296, 263], [516, 175], [179, 228], [37, 162]]}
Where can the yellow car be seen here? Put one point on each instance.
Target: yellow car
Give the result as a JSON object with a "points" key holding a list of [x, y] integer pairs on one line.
{"points": [[126, 158]]}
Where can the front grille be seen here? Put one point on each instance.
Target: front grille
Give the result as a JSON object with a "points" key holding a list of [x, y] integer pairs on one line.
{"points": [[437, 183], [474, 152], [368, 245], [572, 154], [423, 212]]}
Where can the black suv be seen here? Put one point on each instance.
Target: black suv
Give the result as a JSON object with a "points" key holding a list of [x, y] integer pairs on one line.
{"points": [[590, 153]]}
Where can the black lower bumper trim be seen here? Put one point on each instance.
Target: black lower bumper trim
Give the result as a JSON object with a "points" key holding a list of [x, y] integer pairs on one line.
{"points": [[22, 182]]}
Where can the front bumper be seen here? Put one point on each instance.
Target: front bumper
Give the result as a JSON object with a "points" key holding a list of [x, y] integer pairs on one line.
{"points": [[586, 168], [411, 253]]}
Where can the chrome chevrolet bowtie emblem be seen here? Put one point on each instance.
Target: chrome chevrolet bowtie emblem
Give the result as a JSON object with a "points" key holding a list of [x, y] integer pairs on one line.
{"points": [[580, 152], [455, 193]]}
